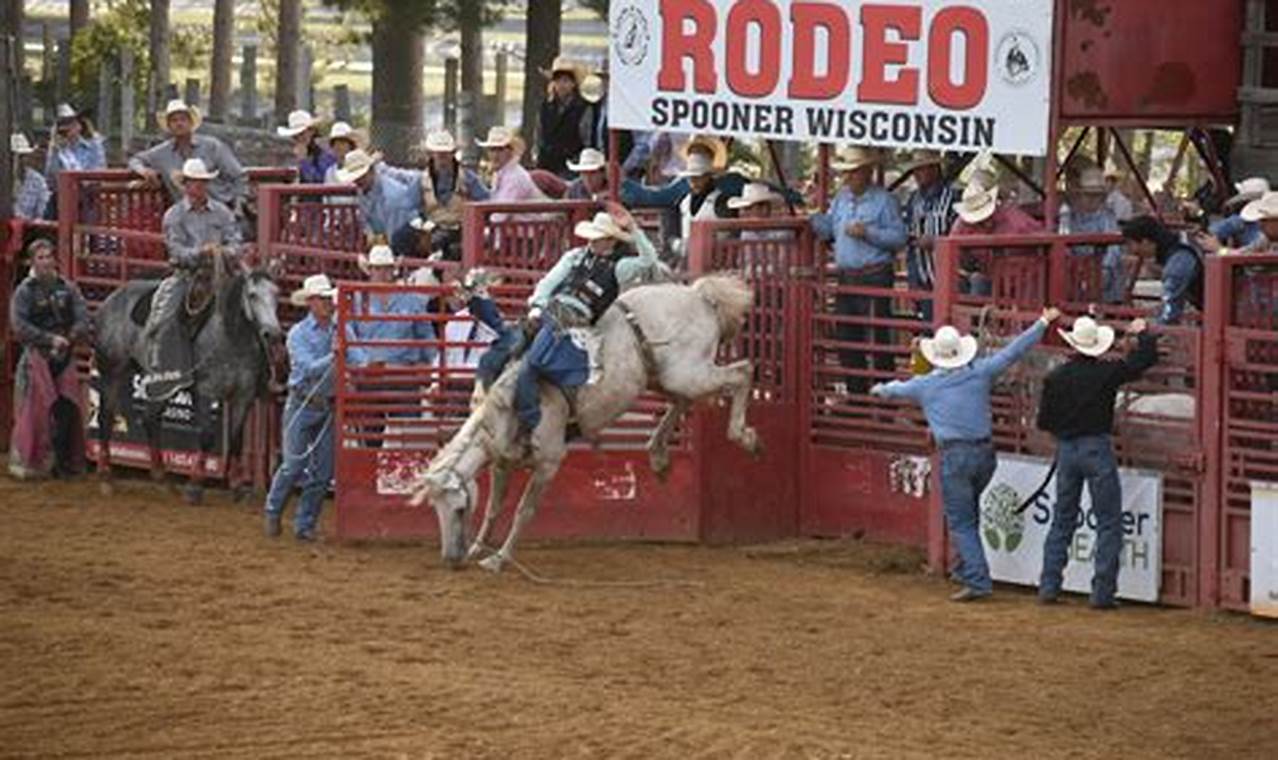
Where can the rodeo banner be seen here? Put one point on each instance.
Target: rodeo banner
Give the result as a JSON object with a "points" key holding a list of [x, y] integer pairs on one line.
{"points": [[1014, 542], [181, 438], [1264, 549], [928, 73]]}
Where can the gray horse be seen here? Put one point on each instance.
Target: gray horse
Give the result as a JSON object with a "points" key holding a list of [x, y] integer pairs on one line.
{"points": [[233, 364]]}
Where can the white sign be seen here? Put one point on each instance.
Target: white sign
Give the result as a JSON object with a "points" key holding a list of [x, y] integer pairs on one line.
{"points": [[1264, 549], [920, 73], [1014, 543]]}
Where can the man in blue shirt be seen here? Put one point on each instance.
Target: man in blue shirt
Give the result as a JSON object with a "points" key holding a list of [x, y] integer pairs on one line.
{"points": [[389, 199], [1088, 215], [955, 397], [1180, 260], [864, 222], [929, 214], [1233, 231]]}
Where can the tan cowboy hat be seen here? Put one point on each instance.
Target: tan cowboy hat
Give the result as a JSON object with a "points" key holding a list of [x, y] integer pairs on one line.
{"points": [[177, 105], [590, 160], [342, 131], [753, 194], [602, 226], [498, 137], [18, 144], [978, 204], [378, 256], [948, 349], [440, 141], [315, 286], [717, 149], [1250, 189], [195, 168], [592, 89], [1091, 180], [358, 162], [1264, 207], [698, 165], [298, 122], [564, 64], [853, 157], [1089, 338], [923, 157]]}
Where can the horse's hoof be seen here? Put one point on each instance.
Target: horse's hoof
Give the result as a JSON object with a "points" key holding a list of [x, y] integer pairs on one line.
{"points": [[193, 495], [474, 552], [492, 564]]}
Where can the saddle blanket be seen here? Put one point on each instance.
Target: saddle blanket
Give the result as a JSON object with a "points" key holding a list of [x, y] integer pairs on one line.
{"points": [[567, 358]]}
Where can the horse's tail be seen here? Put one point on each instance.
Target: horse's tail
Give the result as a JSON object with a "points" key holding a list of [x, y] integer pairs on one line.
{"points": [[731, 298]]}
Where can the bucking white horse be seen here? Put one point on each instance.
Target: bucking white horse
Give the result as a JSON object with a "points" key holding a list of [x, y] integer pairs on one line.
{"points": [[660, 337]]}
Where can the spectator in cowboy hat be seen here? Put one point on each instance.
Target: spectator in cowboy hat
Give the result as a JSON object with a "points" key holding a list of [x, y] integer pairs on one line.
{"points": [[1116, 199], [955, 397], [162, 164], [1077, 408], [388, 197], [1264, 212], [565, 121], [1088, 215], [981, 213], [864, 223], [313, 161], [446, 186], [592, 176], [759, 201], [1180, 261], [73, 146], [30, 191], [594, 90], [511, 182], [382, 265], [341, 140], [1234, 231], [929, 214]]}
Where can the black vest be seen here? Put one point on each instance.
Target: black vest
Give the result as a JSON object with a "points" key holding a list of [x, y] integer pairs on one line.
{"points": [[560, 134], [52, 308], [593, 281]]}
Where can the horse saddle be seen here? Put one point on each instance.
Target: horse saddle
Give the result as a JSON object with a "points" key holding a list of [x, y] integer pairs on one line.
{"points": [[195, 311]]}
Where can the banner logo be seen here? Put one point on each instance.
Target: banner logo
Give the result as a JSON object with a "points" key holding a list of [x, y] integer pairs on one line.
{"points": [[631, 36], [1019, 58], [1003, 528]]}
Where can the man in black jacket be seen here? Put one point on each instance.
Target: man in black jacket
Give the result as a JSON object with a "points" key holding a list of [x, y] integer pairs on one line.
{"points": [[1077, 408], [565, 120]]}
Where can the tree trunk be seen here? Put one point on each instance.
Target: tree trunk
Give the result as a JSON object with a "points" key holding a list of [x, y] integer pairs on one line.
{"points": [[223, 45], [159, 80], [398, 54], [287, 58], [79, 16], [541, 40], [10, 18], [472, 59]]}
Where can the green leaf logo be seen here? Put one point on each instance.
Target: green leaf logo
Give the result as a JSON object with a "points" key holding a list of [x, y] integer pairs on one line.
{"points": [[992, 537]]}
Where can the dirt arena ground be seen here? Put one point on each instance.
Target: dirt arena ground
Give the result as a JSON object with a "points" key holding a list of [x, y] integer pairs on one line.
{"points": [[131, 627]]}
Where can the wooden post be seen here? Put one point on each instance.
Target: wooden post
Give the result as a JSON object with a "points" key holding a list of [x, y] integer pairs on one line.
{"points": [[342, 103], [192, 93], [248, 85], [499, 107], [450, 94], [305, 86], [64, 71], [127, 119], [223, 49], [48, 54], [103, 115], [10, 167], [26, 104], [288, 53], [467, 104], [170, 93]]}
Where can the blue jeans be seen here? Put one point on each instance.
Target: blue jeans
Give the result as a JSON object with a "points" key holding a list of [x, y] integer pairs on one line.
{"points": [[1086, 459], [307, 457], [552, 357], [966, 469]]}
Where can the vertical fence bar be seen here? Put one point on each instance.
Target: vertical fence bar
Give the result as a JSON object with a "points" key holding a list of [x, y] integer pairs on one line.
{"points": [[1217, 307]]}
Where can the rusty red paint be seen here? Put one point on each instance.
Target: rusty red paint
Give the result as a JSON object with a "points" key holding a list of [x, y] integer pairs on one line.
{"points": [[1173, 83], [1090, 11]]}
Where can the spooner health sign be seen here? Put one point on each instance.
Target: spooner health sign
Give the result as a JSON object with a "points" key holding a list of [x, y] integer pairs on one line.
{"points": [[928, 73]]}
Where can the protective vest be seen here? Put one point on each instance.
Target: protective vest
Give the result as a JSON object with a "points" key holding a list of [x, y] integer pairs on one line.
{"points": [[705, 210], [593, 282], [51, 307]]}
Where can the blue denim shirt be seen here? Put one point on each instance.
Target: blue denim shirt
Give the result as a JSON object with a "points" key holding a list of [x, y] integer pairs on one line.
{"points": [[401, 304], [885, 232], [1233, 232], [310, 358], [472, 186], [85, 155], [1101, 222], [393, 200], [636, 194], [956, 402], [1180, 275]]}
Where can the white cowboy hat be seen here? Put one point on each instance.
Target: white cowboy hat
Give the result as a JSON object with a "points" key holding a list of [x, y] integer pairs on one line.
{"points": [[177, 105], [853, 157], [1250, 189], [341, 131], [602, 226], [65, 112], [1091, 180], [422, 224], [1264, 207], [978, 203], [298, 122], [18, 144], [440, 141], [1089, 338], [592, 89], [755, 193], [498, 137], [378, 256], [948, 349], [195, 168], [356, 165], [1112, 171], [590, 160], [315, 286], [697, 165], [923, 157]]}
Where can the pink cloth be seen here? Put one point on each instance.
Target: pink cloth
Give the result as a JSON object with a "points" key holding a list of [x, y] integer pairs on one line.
{"points": [[513, 184], [1007, 220], [35, 391]]}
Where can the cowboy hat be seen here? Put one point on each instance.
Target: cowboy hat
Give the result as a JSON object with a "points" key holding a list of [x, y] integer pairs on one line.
{"points": [[717, 149], [1264, 207], [592, 89], [1250, 189], [1089, 338], [591, 160], [422, 224], [65, 112], [982, 170], [498, 137], [378, 256], [854, 157], [356, 165], [298, 122], [754, 193], [195, 168], [698, 165], [602, 226], [440, 141], [978, 203], [341, 131], [1091, 180], [948, 349], [923, 157], [315, 286], [1112, 171], [563, 65], [18, 144], [175, 106]]}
